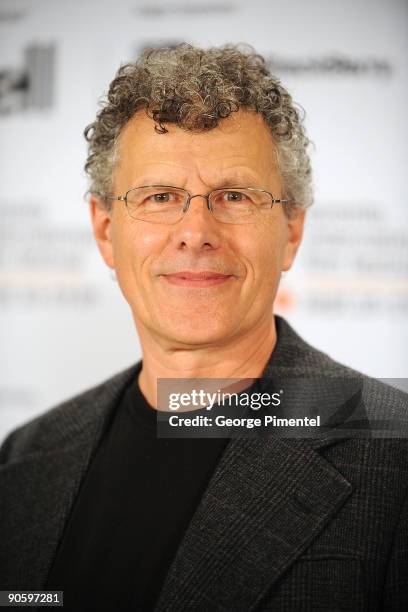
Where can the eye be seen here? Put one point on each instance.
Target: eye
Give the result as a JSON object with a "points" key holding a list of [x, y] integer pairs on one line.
{"points": [[234, 196], [237, 199], [162, 198]]}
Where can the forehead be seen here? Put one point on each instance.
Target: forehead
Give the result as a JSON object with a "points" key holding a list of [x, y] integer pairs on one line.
{"points": [[240, 145]]}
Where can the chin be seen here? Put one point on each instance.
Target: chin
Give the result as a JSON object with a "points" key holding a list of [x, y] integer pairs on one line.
{"points": [[192, 331]]}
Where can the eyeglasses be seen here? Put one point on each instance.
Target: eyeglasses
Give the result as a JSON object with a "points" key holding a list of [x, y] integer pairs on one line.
{"points": [[167, 204]]}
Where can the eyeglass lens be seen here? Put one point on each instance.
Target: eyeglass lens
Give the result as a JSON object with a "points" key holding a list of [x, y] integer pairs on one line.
{"points": [[162, 204]]}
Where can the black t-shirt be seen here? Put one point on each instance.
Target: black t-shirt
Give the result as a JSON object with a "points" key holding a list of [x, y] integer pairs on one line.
{"points": [[133, 507]]}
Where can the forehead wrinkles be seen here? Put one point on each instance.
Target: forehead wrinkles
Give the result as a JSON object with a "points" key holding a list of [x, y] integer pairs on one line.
{"points": [[243, 143]]}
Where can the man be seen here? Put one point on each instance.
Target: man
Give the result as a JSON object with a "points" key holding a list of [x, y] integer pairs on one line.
{"points": [[200, 180]]}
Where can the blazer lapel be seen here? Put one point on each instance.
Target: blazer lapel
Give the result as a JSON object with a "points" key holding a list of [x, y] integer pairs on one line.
{"points": [[269, 498], [266, 502]]}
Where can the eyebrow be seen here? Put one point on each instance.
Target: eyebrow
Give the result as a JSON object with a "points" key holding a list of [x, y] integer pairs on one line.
{"points": [[231, 180]]}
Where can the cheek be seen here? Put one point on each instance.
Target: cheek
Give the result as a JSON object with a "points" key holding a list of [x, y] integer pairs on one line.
{"points": [[134, 244], [265, 254]]}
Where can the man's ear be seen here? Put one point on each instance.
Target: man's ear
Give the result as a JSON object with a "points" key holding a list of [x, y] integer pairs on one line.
{"points": [[295, 225], [102, 229]]}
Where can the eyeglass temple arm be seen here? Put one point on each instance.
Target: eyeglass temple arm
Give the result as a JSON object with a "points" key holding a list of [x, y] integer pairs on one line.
{"points": [[106, 197]]}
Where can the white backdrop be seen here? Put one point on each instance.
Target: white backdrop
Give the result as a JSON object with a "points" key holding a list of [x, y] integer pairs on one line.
{"points": [[64, 323]]}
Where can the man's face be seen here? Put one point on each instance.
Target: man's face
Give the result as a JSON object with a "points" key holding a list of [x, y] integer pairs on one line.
{"points": [[149, 258]]}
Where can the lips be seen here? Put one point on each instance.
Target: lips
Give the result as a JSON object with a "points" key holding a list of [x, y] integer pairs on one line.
{"points": [[198, 275], [204, 278]]}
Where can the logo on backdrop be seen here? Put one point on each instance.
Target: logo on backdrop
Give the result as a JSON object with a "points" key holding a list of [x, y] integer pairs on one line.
{"points": [[29, 86]]}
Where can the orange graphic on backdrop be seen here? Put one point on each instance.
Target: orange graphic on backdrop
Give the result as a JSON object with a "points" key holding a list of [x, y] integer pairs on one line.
{"points": [[285, 301]]}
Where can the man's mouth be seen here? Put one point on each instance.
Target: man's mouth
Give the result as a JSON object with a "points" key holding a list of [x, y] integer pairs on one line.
{"points": [[206, 278]]}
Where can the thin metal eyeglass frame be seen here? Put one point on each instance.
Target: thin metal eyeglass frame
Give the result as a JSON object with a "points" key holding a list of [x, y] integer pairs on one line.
{"points": [[123, 198]]}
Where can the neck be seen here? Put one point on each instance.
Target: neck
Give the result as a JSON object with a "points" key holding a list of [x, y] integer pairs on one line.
{"points": [[244, 357]]}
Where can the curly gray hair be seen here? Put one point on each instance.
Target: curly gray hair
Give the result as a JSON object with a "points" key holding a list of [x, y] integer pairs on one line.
{"points": [[194, 89]]}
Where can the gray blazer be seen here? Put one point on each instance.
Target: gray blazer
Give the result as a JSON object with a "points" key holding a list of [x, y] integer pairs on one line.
{"points": [[285, 524]]}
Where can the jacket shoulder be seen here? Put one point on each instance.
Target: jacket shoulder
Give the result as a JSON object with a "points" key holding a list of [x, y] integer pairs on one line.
{"points": [[73, 418], [383, 404]]}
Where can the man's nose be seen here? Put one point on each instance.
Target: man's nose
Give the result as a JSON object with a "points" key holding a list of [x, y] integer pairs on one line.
{"points": [[197, 229]]}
